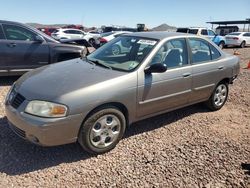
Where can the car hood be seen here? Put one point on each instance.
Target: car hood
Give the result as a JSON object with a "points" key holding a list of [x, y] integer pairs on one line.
{"points": [[52, 81]]}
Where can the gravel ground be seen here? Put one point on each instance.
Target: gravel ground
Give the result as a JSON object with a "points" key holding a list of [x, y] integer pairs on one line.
{"points": [[190, 147]]}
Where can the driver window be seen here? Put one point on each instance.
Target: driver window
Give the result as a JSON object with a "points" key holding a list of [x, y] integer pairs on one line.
{"points": [[18, 33], [173, 53], [211, 33]]}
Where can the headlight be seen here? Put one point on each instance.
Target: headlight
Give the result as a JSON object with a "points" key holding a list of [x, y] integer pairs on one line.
{"points": [[46, 109]]}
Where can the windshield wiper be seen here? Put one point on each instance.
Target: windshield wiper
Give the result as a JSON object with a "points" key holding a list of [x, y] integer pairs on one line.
{"points": [[96, 62]]}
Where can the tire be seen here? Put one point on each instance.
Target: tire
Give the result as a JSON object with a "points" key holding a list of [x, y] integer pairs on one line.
{"points": [[243, 44], [92, 41], [116, 50], [221, 44], [97, 134], [218, 97]]}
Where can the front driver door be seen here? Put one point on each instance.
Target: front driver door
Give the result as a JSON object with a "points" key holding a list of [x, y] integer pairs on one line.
{"points": [[159, 92], [22, 51]]}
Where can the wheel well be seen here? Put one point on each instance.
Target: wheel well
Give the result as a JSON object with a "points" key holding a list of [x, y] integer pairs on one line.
{"points": [[117, 105], [225, 80]]}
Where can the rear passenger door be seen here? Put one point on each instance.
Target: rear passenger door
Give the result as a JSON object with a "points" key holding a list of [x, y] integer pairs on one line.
{"points": [[206, 68]]}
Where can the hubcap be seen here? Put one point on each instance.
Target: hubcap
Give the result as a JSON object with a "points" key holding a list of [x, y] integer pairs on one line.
{"points": [[105, 131], [220, 95]]}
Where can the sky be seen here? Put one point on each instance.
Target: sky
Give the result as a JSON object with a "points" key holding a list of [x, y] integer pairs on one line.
{"points": [[180, 13]]}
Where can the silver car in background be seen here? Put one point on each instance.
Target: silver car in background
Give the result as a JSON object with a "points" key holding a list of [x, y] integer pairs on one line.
{"points": [[240, 39], [93, 100]]}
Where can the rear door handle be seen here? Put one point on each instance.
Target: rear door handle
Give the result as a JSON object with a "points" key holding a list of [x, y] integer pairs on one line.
{"points": [[185, 75], [11, 45], [221, 67]]}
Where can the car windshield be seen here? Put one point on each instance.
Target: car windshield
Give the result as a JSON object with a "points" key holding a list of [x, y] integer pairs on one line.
{"points": [[123, 53], [236, 34]]}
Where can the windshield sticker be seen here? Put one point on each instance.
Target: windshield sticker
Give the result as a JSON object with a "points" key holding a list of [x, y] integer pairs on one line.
{"points": [[148, 42]]}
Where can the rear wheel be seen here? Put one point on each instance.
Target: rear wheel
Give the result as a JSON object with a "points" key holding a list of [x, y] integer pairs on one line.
{"points": [[243, 44], [116, 50], [218, 97], [102, 130]]}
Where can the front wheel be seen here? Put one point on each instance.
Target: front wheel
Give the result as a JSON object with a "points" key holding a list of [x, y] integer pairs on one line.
{"points": [[243, 44], [222, 44], [102, 130], [218, 97]]}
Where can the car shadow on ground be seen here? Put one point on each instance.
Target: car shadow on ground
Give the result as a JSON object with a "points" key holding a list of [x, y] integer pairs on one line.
{"points": [[18, 156]]}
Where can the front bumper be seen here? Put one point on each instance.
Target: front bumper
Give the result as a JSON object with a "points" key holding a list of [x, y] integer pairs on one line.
{"points": [[44, 131]]}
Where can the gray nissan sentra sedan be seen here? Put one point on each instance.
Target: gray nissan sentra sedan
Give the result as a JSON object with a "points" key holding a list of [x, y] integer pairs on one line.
{"points": [[92, 100]]}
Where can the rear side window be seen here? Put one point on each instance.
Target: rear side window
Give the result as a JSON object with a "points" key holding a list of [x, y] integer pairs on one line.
{"points": [[13, 32], [193, 31], [246, 35], [214, 52], [200, 50], [1, 33], [204, 32]]}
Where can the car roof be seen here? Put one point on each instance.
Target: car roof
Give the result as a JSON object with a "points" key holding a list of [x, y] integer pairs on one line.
{"points": [[159, 35]]}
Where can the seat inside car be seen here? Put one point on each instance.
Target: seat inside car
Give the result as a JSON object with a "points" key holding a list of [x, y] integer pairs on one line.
{"points": [[173, 58]]}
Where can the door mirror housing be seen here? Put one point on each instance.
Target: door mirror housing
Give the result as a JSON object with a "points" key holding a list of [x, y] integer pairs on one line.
{"points": [[156, 68], [39, 39]]}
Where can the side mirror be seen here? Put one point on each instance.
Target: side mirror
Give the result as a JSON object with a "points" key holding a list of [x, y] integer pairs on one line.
{"points": [[156, 68], [39, 39], [84, 52]]}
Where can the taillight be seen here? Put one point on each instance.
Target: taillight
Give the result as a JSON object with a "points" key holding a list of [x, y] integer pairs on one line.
{"points": [[235, 38], [103, 40]]}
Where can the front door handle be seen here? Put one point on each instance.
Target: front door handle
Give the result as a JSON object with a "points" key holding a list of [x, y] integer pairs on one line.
{"points": [[221, 67], [11, 45], [185, 75]]}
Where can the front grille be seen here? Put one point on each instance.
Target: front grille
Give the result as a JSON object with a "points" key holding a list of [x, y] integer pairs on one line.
{"points": [[18, 131], [17, 100]]}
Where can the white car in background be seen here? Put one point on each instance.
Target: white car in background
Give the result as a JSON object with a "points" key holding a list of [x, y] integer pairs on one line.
{"points": [[106, 37], [75, 34], [116, 48], [241, 39]]}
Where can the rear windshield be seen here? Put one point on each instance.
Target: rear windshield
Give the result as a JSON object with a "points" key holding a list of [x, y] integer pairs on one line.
{"points": [[106, 34], [236, 34], [193, 31]]}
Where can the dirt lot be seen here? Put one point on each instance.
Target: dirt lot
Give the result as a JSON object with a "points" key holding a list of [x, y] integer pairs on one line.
{"points": [[190, 147]]}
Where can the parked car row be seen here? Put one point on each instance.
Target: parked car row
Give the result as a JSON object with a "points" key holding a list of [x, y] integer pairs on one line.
{"points": [[240, 39]]}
